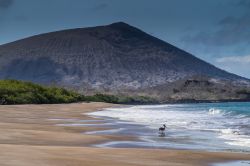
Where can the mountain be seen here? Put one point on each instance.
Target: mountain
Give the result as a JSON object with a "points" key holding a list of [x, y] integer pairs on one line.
{"points": [[116, 59]]}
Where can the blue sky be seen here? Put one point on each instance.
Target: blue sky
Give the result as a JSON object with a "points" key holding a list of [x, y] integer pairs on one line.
{"points": [[217, 31]]}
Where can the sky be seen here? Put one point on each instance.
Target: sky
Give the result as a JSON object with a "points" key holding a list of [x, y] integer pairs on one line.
{"points": [[217, 31]]}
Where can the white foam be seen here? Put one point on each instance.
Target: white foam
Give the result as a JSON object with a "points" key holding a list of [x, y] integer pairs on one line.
{"points": [[234, 163], [186, 117], [213, 111], [234, 137], [148, 115]]}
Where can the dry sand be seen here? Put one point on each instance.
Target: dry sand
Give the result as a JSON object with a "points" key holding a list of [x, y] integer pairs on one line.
{"points": [[28, 137]]}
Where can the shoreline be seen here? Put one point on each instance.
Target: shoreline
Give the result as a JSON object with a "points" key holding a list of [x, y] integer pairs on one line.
{"points": [[29, 137], [185, 130]]}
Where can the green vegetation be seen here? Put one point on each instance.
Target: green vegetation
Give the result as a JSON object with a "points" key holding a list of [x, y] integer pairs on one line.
{"points": [[20, 92]]}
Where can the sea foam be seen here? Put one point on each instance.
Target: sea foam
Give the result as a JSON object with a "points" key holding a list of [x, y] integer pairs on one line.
{"points": [[186, 119]]}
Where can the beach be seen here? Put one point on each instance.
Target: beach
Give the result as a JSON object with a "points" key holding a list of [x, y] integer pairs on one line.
{"points": [[30, 136]]}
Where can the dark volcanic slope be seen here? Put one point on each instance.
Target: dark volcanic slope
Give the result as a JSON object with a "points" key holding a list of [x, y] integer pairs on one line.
{"points": [[117, 56]]}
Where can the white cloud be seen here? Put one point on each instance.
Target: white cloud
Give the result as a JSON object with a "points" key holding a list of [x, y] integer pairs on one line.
{"points": [[234, 59], [235, 64]]}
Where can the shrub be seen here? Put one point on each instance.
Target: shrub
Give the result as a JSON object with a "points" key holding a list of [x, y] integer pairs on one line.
{"points": [[20, 92]]}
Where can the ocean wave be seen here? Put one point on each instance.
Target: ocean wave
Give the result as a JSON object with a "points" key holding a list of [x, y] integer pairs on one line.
{"points": [[230, 131], [214, 111], [226, 123], [235, 138]]}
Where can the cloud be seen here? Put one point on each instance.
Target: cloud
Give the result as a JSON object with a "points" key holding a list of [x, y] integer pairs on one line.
{"points": [[235, 64], [244, 3], [100, 6], [234, 59], [4, 4], [232, 31]]}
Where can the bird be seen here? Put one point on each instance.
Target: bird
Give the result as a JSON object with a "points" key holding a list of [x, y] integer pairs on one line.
{"points": [[162, 129]]}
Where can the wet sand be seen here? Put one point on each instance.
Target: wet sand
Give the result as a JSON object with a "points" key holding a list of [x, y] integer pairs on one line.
{"points": [[30, 136]]}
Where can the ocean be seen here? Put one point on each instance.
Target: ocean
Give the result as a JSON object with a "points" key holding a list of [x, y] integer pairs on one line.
{"points": [[204, 126]]}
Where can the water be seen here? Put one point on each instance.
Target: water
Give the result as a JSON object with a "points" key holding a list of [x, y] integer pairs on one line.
{"points": [[234, 163], [210, 126]]}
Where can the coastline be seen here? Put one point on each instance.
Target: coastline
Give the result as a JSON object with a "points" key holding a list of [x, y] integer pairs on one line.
{"points": [[29, 135]]}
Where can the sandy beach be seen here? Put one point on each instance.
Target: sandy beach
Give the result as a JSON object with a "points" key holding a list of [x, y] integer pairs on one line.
{"points": [[30, 136]]}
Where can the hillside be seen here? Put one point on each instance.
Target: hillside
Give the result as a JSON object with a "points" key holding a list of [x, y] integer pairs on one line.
{"points": [[113, 59]]}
